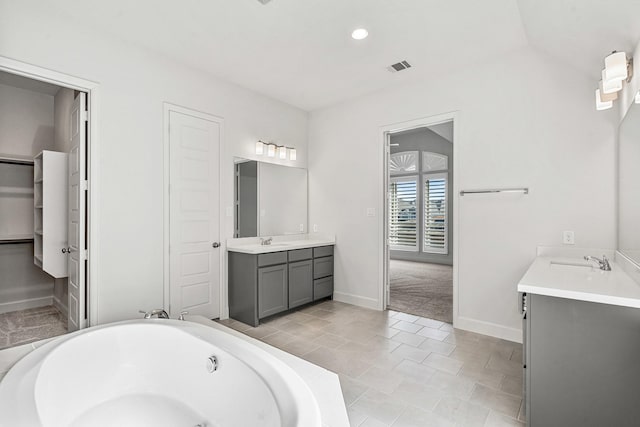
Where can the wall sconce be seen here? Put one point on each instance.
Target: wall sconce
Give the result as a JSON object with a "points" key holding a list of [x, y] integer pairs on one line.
{"points": [[617, 69]]}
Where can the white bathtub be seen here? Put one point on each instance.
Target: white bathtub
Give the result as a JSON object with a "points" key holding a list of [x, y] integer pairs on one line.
{"points": [[154, 373]]}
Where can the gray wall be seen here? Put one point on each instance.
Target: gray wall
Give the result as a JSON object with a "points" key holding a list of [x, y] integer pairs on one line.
{"points": [[426, 140]]}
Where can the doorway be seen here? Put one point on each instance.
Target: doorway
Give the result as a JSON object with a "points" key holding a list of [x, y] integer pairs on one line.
{"points": [[44, 187], [419, 220]]}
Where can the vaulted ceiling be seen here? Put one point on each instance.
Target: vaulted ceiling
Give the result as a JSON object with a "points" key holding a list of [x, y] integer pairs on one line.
{"points": [[301, 51]]}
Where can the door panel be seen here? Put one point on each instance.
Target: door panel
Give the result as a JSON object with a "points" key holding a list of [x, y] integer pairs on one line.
{"points": [[77, 215], [194, 265]]}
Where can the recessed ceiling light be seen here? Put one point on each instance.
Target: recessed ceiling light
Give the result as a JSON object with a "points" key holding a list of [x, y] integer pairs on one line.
{"points": [[360, 34]]}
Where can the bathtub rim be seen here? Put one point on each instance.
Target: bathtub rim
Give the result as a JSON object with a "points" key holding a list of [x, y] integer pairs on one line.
{"points": [[17, 388]]}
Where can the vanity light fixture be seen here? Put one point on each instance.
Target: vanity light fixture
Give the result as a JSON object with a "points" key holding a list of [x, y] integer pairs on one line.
{"points": [[292, 154], [271, 150], [260, 148], [617, 69], [282, 152]]}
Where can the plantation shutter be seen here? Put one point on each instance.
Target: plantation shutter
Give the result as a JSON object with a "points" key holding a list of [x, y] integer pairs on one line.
{"points": [[403, 224], [435, 214]]}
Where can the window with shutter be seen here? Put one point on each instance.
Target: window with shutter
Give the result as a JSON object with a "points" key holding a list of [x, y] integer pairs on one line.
{"points": [[403, 213], [435, 214]]}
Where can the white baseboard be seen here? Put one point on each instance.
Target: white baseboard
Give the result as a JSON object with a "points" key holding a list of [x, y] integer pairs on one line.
{"points": [[25, 304], [487, 328], [357, 300], [62, 308]]}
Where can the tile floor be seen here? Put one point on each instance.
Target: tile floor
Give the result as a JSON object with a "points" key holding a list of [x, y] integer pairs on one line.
{"points": [[34, 324], [399, 370]]}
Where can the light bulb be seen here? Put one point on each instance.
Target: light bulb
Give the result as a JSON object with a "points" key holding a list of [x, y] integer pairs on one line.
{"points": [[271, 150], [282, 153], [292, 154], [260, 148], [359, 34]]}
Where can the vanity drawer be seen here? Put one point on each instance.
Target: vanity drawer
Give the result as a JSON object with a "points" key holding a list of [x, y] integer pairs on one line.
{"points": [[322, 267], [272, 259], [322, 288], [322, 251], [300, 254]]}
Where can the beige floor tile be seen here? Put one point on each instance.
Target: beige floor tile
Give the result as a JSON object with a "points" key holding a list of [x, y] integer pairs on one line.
{"points": [[418, 417], [381, 379], [411, 353], [435, 334], [512, 385], [340, 362], [495, 419], [436, 346], [419, 395], [388, 332], [481, 375], [356, 416], [380, 406], [443, 363], [462, 412], [385, 360], [278, 338], [330, 340], [408, 338], [234, 324], [372, 422], [260, 332], [352, 389], [406, 317], [498, 401], [317, 323], [506, 366], [447, 327], [416, 372], [452, 385], [435, 324], [299, 347], [476, 358], [407, 326]]}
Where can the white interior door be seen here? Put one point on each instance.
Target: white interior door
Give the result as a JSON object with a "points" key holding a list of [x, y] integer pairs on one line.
{"points": [[77, 245], [194, 227]]}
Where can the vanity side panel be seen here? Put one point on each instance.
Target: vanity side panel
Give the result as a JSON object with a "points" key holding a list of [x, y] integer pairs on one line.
{"points": [[243, 288], [583, 363]]}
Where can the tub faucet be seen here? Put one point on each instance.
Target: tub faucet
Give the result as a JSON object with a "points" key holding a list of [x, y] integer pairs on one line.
{"points": [[602, 263], [158, 312], [266, 242]]}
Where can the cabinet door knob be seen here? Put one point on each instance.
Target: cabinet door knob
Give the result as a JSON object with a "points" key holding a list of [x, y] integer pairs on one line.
{"points": [[66, 250], [216, 244]]}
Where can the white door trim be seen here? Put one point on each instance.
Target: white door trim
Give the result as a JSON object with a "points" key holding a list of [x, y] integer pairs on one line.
{"points": [[92, 89], [168, 108], [383, 189]]}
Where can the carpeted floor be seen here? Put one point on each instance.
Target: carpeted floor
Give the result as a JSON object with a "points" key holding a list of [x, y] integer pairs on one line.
{"points": [[422, 289], [34, 324]]}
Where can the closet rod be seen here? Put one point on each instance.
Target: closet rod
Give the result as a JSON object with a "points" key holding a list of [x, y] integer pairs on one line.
{"points": [[10, 161], [15, 241]]}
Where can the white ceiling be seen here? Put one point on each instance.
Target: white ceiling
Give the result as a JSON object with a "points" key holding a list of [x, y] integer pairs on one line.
{"points": [[301, 52]]}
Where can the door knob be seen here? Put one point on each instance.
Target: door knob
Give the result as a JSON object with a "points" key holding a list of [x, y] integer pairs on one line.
{"points": [[66, 250], [216, 244]]}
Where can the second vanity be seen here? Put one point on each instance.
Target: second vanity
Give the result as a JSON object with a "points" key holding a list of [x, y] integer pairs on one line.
{"points": [[267, 279], [581, 336]]}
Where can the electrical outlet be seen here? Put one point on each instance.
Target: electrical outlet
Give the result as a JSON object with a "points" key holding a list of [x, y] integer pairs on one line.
{"points": [[568, 238], [315, 228]]}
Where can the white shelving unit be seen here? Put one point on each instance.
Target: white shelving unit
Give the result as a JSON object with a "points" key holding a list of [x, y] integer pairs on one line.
{"points": [[50, 204], [17, 230]]}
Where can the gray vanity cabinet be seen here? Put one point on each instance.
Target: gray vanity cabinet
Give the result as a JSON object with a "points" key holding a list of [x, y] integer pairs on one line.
{"points": [[272, 290], [581, 363], [266, 284]]}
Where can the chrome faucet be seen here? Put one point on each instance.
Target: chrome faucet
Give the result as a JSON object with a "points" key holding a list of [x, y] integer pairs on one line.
{"points": [[602, 263], [266, 242], [158, 312]]}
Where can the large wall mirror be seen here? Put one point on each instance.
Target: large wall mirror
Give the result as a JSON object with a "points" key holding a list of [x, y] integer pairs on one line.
{"points": [[270, 199], [629, 185]]}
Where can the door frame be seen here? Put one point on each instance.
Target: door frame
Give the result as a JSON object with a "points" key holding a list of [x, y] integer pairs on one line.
{"points": [[383, 221], [93, 152], [167, 109]]}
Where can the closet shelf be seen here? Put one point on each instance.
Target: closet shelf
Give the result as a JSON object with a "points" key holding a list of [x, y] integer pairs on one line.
{"points": [[16, 190], [18, 238], [38, 207]]}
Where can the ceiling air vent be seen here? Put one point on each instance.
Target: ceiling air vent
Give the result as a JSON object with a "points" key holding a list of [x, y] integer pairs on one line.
{"points": [[403, 65]]}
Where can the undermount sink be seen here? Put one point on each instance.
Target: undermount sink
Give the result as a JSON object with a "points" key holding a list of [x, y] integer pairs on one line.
{"points": [[572, 264]]}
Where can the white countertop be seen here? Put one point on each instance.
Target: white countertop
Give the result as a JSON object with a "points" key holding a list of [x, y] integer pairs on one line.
{"points": [[575, 278], [251, 245]]}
